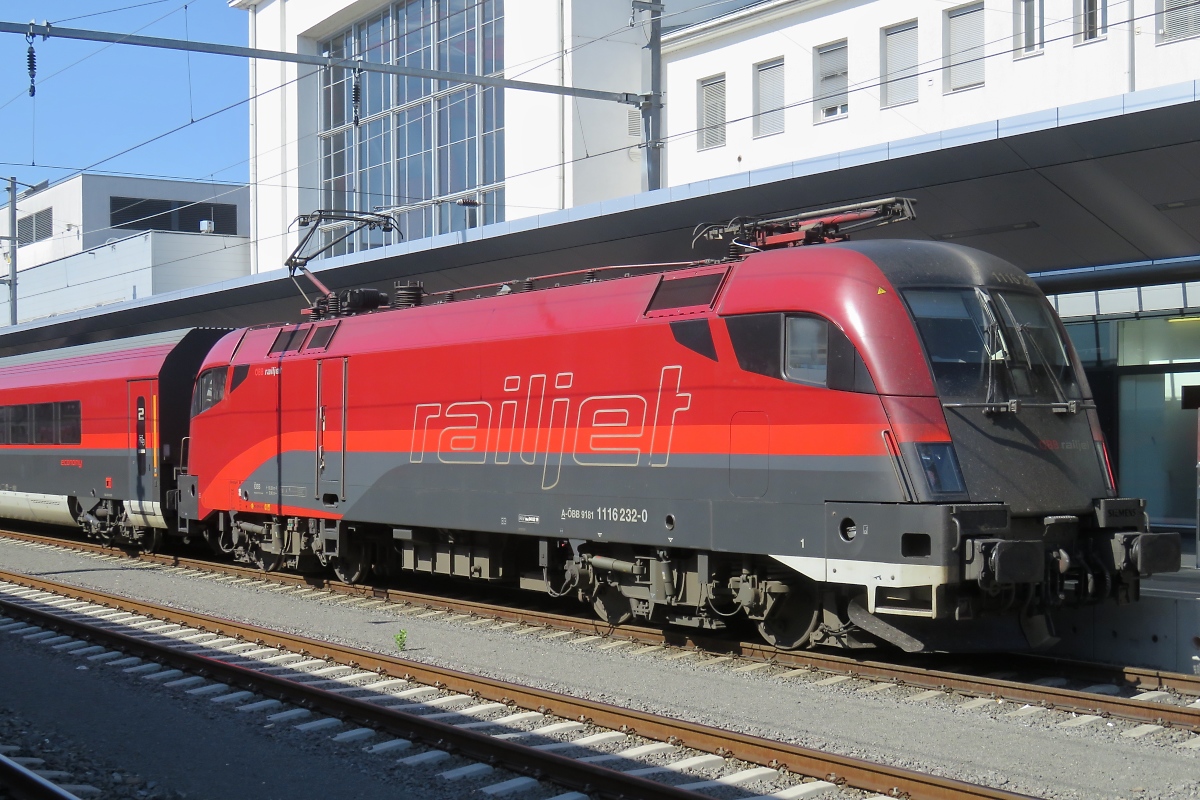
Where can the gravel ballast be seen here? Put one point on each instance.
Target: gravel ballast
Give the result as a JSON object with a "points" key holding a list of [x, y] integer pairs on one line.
{"points": [[1029, 754]]}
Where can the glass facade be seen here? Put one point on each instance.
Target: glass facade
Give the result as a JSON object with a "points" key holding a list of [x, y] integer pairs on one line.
{"points": [[1137, 369], [430, 151]]}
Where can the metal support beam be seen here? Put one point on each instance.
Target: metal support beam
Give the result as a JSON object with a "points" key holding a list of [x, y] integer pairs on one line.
{"points": [[11, 280], [47, 31], [652, 104]]}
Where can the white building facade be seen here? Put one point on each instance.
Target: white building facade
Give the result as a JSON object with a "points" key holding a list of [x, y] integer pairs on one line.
{"points": [[92, 240], [442, 157], [786, 80]]}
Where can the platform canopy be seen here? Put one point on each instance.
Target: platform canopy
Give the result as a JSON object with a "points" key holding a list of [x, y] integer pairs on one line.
{"points": [[1097, 195]]}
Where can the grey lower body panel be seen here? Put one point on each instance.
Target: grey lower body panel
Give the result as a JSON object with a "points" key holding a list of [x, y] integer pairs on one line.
{"points": [[689, 503]]}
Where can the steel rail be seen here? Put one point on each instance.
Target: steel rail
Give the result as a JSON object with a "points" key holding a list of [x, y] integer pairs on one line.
{"points": [[25, 784], [1069, 700], [857, 773]]}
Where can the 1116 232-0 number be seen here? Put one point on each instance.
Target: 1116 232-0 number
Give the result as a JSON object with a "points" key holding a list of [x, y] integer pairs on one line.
{"points": [[618, 514]]}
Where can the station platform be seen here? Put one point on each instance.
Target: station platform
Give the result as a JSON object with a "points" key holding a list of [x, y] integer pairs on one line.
{"points": [[1162, 631]]}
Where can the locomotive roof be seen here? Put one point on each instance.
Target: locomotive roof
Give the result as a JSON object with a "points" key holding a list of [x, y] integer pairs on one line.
{"points": [[914, 262], [97, 348]]}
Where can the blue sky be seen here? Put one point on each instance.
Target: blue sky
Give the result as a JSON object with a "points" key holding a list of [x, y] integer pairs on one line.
{"points": [[95, 100]]}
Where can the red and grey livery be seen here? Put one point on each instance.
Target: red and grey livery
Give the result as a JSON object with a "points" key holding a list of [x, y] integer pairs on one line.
{"points": [[885, 440], [90, 434]]}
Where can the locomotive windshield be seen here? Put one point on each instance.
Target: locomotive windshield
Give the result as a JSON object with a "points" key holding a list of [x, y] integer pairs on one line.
{"points": [[993, 345]]}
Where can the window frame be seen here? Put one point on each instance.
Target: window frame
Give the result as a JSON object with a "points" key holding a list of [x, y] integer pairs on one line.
{"points": [[31, 419], [885, 67], [37, 412], [707, 133], [948, 57], [1081, 26], [199, 404], [59, 418], [785, 349], [1160, 25], [761, 114], [819, 97], [25, 422], [1021, 48]]}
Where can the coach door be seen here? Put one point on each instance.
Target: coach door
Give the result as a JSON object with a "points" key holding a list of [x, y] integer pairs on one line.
{"points": [[332, 374], [143, 445]]}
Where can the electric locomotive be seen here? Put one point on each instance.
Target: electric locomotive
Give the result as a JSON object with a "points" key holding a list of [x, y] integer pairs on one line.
{"points": [[846, 444]]}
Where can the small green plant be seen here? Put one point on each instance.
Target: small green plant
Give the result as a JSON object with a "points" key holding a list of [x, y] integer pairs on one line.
{"points": [[402, 639]]}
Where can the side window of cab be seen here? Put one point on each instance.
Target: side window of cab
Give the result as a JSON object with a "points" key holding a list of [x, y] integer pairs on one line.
{"points": [[799, 348], [210, 389]]}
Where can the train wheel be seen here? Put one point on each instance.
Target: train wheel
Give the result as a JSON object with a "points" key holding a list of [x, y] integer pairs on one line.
{"points": [[149, 540], [611, 606], [353, 563], [267, 562], [792, 620]]}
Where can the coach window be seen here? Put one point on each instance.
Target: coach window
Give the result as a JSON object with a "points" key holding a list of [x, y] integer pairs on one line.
{"points": [[210, 389], [807, 350], [43, 423], [69, 428], [18, 424], [3, 424]]}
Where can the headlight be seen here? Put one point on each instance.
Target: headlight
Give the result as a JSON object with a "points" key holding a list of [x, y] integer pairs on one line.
{"points": [[940, 466]]}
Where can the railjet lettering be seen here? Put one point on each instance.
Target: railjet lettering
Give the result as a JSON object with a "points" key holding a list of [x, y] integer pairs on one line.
{"points": [[610, 430]]}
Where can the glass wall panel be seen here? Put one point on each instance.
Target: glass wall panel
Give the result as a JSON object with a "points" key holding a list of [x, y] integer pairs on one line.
{"points": [[1164, 340], [1095, 341], [419, 145], [1158, 446]]}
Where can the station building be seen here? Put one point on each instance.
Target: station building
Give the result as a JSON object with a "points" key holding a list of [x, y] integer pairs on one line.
{"points": [[95, 240]]}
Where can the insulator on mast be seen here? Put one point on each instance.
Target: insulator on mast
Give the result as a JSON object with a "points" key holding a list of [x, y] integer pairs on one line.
{"points": [[31, 58], [356, 94]]}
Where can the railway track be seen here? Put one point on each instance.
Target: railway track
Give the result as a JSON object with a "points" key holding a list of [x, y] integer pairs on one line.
{"points": [[1161, 699], [24, 783], [220, 658]]}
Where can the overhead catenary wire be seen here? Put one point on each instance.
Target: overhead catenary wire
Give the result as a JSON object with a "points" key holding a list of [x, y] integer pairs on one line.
{"points": [[109, 11]]}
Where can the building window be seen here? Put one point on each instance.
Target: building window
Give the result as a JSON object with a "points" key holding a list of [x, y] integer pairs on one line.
{"points": [[963, 59], [1029, 27], [899, 66], [1178, 19], [143, 214], [35, 227], [768, 98], [830, 82], [710, 113], [1091, 19], [431, 152]]}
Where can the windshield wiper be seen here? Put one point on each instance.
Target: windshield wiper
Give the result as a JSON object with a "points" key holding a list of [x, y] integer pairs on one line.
{"points": [[1063, 406], [997, 350]]}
